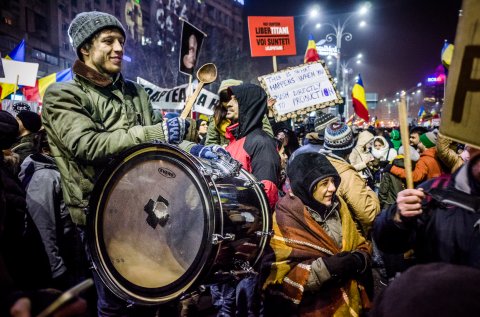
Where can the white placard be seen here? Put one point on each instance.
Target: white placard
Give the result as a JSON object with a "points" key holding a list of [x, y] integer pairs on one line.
{"points": [[27, 72], [306, 87], [174, 98]]}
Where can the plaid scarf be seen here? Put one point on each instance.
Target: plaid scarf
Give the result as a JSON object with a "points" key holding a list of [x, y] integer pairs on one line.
{"points": [[298, 240]]}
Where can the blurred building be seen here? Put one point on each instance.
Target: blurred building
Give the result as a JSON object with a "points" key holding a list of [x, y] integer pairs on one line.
{"points": [[153, 32]]}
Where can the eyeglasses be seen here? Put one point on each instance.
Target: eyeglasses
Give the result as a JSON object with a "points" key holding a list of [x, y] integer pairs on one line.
{"points": [[203, 124]]}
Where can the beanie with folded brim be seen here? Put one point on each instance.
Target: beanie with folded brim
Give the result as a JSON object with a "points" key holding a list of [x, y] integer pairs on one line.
{"points": [[428, 139], [30, 120], [86, 24]]}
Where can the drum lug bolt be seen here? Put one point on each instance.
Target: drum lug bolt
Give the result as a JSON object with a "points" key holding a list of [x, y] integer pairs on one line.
{"points": [[217, 238]]}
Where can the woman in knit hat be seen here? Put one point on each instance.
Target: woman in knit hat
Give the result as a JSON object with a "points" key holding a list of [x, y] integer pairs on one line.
{"points": [[317, 256]]}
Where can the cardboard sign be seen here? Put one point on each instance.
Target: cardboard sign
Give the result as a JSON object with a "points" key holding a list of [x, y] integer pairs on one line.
{"points": [[271, 36], [174, 98], [300, 90], [461, 115], [26, 72]]}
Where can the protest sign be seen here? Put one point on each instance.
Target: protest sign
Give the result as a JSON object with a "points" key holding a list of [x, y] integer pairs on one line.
{"points": [[174, 98], [21, 73], [460, 116], [302, 89], [192, 39], [271, 36]]}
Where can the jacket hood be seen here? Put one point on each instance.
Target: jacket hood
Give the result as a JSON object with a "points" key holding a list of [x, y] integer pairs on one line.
{"points": [[395, 135], [363, 138], [252, 105], [382, 153], [305, 171], [34, 163]]}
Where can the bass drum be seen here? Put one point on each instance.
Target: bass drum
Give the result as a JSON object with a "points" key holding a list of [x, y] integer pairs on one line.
{"points": [[161, 224]]}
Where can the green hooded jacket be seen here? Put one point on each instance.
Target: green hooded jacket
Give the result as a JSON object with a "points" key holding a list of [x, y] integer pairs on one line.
{"points": [[88, 121]]}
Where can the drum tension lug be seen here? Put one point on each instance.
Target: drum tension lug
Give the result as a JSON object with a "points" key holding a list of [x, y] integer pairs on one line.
{"points": [[218, 238]]}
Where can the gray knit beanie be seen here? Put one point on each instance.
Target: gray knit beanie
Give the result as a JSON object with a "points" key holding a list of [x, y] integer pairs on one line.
{"points": [[86, 24]]}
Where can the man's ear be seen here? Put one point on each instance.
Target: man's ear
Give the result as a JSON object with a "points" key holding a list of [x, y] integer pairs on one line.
{"points": [[84, 51]]}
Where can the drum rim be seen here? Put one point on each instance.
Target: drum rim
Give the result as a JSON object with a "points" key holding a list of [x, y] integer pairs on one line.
{"points": [[207, 252]]}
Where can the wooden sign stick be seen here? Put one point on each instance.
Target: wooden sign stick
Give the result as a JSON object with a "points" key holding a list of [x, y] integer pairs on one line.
{"points": [[403, 120]]}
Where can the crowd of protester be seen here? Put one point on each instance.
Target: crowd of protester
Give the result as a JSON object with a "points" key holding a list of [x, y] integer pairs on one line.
{"points": [[345, 225]]}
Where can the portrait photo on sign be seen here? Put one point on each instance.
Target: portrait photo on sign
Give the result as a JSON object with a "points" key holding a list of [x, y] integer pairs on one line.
{"points": [[192, 39]]}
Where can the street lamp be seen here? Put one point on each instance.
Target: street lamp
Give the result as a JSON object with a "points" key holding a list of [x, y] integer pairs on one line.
{"points": [[345, 66], [340, 33]]}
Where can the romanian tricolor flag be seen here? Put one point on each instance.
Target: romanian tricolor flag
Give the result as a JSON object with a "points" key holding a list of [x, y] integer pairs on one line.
{"points": [[359, 100], [311, 54], [36, 93], [447, 53], [17, 54], [421, 112]]}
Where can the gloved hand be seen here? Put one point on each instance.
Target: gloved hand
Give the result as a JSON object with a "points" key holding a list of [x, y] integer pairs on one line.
{"points": [[174, 130], [387, 168], [345, 265], [208, 152]]}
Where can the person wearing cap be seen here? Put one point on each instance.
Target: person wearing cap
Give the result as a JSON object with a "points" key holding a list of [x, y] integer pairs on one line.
{"points": [[29, 123], [95, 116], [439, 219], [316, 258], [427, 166], [217, 127]]}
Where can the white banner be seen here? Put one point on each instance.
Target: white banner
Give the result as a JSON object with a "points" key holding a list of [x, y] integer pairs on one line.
{"points": [[301, 87], [174, 98]]}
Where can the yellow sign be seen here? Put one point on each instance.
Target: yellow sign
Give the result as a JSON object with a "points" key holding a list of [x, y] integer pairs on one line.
{"points": [[461, 113]]}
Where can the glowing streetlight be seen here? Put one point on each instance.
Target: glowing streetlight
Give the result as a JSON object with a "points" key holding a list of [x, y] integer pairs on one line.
{"points": [[318, 25], [313, 13], [362, 24]]}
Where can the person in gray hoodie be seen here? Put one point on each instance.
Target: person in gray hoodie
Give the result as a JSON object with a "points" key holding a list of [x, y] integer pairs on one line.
{"points": [[41, 180]]}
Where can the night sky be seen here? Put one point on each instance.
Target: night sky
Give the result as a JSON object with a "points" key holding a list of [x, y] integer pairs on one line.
{"points": [[401, 44]]}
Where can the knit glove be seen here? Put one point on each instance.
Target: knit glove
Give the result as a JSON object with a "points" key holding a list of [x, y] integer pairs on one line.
{"points": [[208, 152], [346, 265], [174, 130]]}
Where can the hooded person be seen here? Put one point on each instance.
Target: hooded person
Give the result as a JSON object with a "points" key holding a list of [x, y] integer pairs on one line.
{"points": [[248, 142], [360, 199], [395, 139], [361, 155], [316, 256], [217, 127]]}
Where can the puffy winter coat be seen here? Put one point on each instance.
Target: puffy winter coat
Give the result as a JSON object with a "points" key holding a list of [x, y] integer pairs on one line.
{"points": [[426, 168], [360, 156]]}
